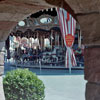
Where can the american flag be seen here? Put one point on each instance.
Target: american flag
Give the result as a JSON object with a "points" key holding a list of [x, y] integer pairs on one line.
{"points": [[67, 25]]}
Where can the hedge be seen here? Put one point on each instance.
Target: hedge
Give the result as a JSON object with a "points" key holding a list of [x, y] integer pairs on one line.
{"points": [[22, 84]]}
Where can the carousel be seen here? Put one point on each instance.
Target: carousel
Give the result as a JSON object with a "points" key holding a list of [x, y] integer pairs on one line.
{"points": [[37, 40]]}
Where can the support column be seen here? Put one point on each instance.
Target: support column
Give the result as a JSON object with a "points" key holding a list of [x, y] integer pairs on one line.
{"points": [[90, 24], [92, 72], [1, 70]]}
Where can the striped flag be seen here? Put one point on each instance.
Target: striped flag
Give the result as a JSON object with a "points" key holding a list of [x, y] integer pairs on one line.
{"points": [[67, 25]]}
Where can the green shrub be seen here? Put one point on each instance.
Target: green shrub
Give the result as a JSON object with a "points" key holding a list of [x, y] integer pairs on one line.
{"points": [[22, 84]]}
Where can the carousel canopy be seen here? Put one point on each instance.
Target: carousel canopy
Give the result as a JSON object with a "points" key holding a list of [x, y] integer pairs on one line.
{"points": [[42, 22]]}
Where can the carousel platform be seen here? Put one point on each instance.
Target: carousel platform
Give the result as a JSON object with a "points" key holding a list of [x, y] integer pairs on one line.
{"points": [[49, 66]]}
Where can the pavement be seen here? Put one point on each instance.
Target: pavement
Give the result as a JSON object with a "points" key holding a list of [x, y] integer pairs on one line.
{"points": [[59, 84], [64, 87], [1, 90]]}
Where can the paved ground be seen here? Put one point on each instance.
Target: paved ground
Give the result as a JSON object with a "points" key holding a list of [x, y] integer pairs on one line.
{"points": [[65, 87], [1, 90], [60, 85]]}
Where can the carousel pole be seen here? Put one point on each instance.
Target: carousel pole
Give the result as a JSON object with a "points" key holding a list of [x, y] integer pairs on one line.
{"points": [[51, 43], [28, 38], [41, 42], [58, 40], [51, 38], [34, 37], [20, 48], [39, 60], [79, 39], [42, 39], [37, 50], [55, 38], [31, 42], [31, 39], [17, 56], [61, 41], [38, 40]]}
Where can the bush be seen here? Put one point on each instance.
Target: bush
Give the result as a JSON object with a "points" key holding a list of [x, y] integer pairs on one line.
{"points": [[22, 84]]}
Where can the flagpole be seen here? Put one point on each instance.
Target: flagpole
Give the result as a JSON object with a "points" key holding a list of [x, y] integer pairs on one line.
{"points": [[70, 64]]}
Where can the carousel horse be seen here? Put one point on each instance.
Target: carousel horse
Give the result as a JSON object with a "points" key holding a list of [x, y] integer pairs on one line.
{"points": [[52, 56]]}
